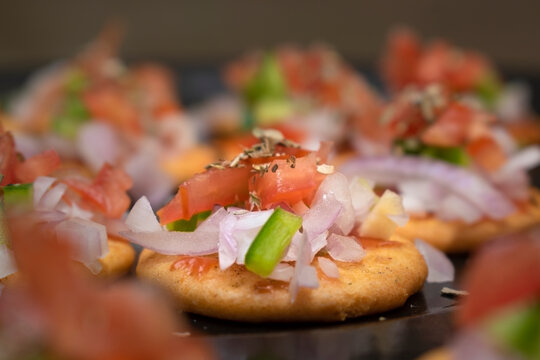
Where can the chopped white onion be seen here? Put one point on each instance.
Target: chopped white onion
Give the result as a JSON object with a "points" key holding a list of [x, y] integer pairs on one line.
{"points": [[328, 267], [49, 216], [52, 197], [413, 205], [512, 178], [148, 177], [440, 268], [514, 102], [89, 240], [282, 272], [228, 247], [308, 277], [455, 208], [321, 216], [345, 248], [504, 139], [318, 244], [77, 212], [525, 159], [97, 143], [141, 217], [302, 277], [294, 248], [425, 192], [392, 170], [28, 145], [237, 233], [202, 241], [337, 185], [362, 196], [40, 187], [399, 220]]}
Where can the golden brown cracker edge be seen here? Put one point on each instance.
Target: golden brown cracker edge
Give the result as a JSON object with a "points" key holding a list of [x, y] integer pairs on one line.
{"points": [[382, 281], [116, 263], [456, 236]]}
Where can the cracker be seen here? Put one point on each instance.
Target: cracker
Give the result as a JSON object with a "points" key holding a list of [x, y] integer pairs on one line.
{"points": [[382, 281], [116, 263], [455, 236]]}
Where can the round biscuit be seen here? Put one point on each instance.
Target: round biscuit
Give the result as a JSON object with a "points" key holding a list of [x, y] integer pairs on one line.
{"points": [[458, 236], [382, 281]]}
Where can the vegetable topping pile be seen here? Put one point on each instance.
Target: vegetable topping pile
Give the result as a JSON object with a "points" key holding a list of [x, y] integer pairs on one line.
{"points": [[272, 205]]}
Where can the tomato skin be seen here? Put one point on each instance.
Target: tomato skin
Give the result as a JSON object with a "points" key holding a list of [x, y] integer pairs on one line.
{"points": [[406, 120], [38, 165], [401, 59], [502, 274], [286, 184], [407, 62], [156, 83], [8, 158], [107, 192], [451, 128], [487, 153], [108, 103], [205, 190]]}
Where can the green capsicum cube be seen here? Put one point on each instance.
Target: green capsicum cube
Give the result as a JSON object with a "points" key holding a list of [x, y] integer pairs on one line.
{"points": [[271, 242]]}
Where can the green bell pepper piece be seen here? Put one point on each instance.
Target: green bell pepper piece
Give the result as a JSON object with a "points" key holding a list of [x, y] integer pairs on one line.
{"points": [[189, 225], [18, 197], [271, 242], [518, 329], [268, 82], [489, 89], [73, 115]]}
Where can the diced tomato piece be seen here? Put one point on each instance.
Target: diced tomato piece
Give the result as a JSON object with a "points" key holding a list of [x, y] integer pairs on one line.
{"points": [[401, 59], [291, 63], [8, 158], [330, 93], [107, 192], [458, 70], [487, 153], [451, 127], [525, 132], [107, 103], [286, 181], [434, 64], [239, 73], [467, 74], [38, 165], [156, 81], [502, 274], [205, 190], [406, 120], [292, 133]]}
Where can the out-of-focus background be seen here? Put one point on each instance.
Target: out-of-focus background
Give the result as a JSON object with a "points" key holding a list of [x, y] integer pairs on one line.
{"points": [[207, 32]]}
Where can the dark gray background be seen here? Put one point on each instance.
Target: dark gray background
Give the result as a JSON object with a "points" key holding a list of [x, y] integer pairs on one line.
{"points": [[210, 31]]}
